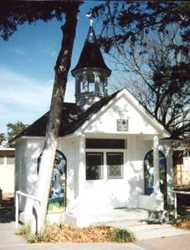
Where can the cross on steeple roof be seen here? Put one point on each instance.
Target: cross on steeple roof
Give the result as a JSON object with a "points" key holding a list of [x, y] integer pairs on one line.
{"points": [[91, 56]]}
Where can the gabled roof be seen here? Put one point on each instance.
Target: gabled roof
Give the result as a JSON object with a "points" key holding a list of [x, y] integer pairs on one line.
{"points": [[143, 110], [91, 56], [72, 118]]}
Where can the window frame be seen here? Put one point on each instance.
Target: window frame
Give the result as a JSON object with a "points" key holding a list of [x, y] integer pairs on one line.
{"points": [[104, 167], [101, 166], [121, 167]]}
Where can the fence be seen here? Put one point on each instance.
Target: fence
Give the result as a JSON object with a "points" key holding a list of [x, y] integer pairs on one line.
{"points": [[181, 175]]}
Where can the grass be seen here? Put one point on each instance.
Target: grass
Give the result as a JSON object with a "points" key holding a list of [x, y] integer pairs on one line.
{"points": [[62, 233], [23, 230]]}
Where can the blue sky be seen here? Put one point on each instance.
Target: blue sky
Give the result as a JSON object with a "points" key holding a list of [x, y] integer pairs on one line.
{"points": [[26, 68]]}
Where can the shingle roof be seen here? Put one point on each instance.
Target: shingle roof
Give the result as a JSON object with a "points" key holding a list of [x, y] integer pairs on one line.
{"points": [[72, 118], [91, 56]]}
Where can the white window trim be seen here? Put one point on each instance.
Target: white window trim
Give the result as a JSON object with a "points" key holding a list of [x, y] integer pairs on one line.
{"points": [[104, 167]]}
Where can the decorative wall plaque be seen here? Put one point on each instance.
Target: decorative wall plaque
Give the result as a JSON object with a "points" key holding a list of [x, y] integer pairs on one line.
{"points": [[122, 125]]}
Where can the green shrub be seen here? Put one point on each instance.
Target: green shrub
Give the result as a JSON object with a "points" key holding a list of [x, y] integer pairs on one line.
{"points": [[32, 238], [121, 235], [63, 233], [23, 230]]}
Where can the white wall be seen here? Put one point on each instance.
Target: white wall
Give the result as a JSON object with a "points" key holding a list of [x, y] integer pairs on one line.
{"points": [[106, 120], [7, 176], [69, 146], [27, 153], [112, 193], [87, 196]]}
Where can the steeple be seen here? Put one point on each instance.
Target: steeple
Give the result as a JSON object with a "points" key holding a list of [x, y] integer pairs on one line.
{"points": [[90, 73]]}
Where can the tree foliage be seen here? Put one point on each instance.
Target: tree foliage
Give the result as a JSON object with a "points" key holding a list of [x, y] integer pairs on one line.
{"points": [[2, 138], [13, 129], [15, 13], [151, 39]]}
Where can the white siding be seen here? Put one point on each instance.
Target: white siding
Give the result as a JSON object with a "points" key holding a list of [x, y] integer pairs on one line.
{"points": [[106, 193], [106, 121], [7, 177], [70, 150]]}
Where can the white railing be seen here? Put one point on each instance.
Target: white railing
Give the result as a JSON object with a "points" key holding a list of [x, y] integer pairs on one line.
{"points": [[175, 200], [19, 193]]}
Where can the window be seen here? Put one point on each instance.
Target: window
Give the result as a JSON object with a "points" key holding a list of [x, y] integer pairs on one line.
{"points": [[105, 156], [10, 160], [91, 86], [84, 87], [114, 164], [94, 163]]}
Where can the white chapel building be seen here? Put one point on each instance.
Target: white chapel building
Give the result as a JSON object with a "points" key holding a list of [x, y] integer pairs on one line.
{"points": [[112, 153]]}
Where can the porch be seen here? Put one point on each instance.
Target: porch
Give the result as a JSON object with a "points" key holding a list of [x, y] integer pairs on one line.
{"points": [[127, 216], [127, 186]]}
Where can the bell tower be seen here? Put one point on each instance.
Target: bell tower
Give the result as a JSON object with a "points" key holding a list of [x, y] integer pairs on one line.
{"points": [[91, 72]]}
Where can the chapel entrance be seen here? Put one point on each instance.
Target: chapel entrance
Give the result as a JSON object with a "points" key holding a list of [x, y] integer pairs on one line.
{"points": [[149, 174], [57, 194]]}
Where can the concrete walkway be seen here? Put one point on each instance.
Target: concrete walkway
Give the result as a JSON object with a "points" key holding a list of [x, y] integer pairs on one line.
{"points": [[8, 236], [143, 231], [135, 220], [10, 241], [73, 246], [150, 237], [180, 242]]}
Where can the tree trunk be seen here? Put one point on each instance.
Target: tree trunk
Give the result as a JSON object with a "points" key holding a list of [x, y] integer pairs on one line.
{"points": [[52, 131]]}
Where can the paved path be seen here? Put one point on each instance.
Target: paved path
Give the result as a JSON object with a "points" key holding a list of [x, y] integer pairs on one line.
{"points": [[73, 246], [150, 237], [144, 231], [10, 241], [8, 236], [181, 242]]}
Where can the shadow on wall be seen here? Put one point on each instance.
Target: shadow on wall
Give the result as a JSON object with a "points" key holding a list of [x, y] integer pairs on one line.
{"points": [[136, 184], [28, 161]]}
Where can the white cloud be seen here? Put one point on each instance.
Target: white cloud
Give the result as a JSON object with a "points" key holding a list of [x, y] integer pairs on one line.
{"points": [[19, 51], [24, 98], [17, 89]]}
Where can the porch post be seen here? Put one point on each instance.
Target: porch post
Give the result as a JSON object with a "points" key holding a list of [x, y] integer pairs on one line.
{"points": [[169, 179], [82, 169], [156, 165]]}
